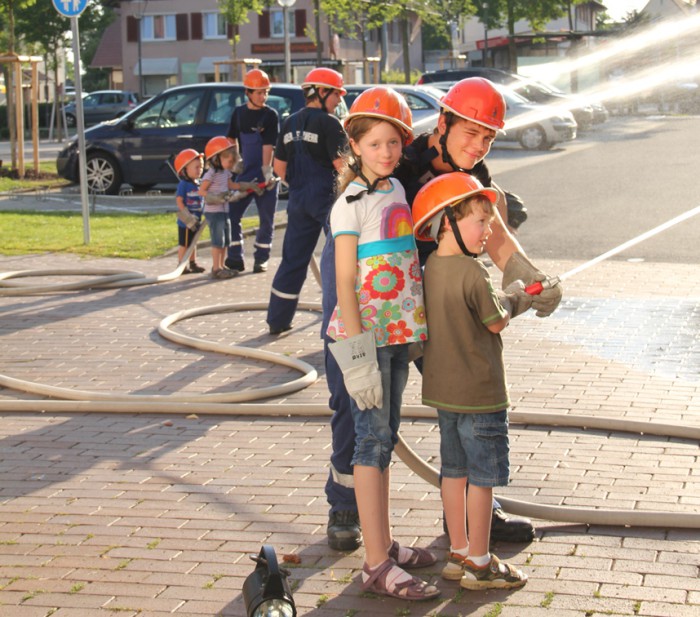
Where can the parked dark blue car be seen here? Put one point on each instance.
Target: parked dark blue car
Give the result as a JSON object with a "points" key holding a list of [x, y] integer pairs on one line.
{"points": [[135, 148]]}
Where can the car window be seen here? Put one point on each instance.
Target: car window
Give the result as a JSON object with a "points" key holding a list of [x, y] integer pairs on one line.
{"points": [[91, 100], [111, 98], [415, 102], [177, 109], [282, 104], [222, 104]]}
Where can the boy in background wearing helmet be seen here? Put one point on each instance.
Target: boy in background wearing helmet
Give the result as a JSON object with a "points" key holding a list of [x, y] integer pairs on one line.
{"points": [[307, 158], [216, 188], [472, 113], [254, 126], [464, 372], [379, 312], [188, 166]]}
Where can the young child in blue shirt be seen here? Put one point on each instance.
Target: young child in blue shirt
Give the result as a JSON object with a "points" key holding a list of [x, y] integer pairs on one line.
{"points": [[188, 166]]}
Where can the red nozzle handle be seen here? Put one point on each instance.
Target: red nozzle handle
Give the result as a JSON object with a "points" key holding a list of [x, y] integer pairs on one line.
{"points": [[535, 289]]}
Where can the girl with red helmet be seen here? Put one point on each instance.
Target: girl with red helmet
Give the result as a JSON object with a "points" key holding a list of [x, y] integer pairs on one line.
{"points": [[379, 313], [215, 188]]}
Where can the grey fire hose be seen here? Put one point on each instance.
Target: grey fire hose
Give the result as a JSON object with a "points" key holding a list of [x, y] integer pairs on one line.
{"points": [[238, 403]]}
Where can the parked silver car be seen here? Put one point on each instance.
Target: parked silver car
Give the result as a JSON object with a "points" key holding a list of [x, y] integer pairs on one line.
{"points": [[533, 126], [102, 105]]}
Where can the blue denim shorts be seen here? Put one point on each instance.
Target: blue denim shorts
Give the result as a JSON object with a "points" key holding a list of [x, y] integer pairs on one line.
{"points": [[475, 446], [219, 229], [377, 429]]}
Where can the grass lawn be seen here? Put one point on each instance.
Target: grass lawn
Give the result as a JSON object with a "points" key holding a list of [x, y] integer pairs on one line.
{"points": [[47, 178], [135, 236]]}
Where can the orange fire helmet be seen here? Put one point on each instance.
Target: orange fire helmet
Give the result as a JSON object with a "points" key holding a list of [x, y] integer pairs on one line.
{"points": [[386, 104], [478, 100], [255, 79], [324, 78], [183, 159], [216, 145], [441, 192]]}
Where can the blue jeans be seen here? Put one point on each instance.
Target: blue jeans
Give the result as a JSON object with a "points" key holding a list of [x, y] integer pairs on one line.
{"points": [[377, 429], [219, 229], [475, 446]]}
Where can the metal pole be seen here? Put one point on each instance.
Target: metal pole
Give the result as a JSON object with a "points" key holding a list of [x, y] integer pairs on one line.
{"points": [[80, 125], [287, 48], [485, 50]]}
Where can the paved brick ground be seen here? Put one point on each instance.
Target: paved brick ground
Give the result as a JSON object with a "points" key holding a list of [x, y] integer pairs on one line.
{"points": [[155, 514]]}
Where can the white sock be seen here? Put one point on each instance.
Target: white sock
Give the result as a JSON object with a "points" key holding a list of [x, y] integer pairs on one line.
{"points": [[480, 561], [462, 552], [395, 576]]}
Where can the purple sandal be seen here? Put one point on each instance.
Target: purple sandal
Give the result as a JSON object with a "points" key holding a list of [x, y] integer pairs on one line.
{"points": [[420, 557], [412, 589]]}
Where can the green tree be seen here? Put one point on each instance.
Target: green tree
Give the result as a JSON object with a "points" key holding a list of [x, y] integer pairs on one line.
{"points": [[236, 13]]}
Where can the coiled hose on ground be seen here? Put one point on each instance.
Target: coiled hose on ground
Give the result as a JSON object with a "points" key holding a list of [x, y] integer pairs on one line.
{"points": [[238, 403]]}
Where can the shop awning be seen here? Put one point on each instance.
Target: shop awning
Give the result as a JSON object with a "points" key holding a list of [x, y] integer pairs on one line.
{"points": [[158, 66]]}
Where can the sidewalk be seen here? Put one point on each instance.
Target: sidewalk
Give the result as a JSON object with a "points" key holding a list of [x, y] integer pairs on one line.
{"points": [[148, 515]]}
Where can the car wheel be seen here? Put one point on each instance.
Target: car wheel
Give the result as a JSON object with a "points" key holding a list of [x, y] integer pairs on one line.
{"points": [[533, 138], [103, 174], [70, 121]]}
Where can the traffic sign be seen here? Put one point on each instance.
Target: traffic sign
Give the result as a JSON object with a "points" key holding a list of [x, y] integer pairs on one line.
{"points": [[70, 8]]}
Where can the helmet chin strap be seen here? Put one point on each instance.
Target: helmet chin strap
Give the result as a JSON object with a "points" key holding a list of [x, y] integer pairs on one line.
{"points": [[446, 157], [450, 214], [356, 167]]}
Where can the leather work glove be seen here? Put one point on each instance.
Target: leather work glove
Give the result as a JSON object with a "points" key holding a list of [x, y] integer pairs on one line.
{"points": [[357, 358], [250, 187], [267, 172], [519, 267], [217, 198], [232, 196], [515, 299], [190, 220], [270, 179]]}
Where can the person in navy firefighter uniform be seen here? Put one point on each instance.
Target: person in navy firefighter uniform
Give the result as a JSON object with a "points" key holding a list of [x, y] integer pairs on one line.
{"points": [[255, 127], [307, 158]]}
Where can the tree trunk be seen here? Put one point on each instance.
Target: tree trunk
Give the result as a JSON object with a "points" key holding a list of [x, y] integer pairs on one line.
{"points": [[512, 47]]}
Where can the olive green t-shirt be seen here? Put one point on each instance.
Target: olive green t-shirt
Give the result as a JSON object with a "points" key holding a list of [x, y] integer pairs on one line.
{"points": [[463, 367]]}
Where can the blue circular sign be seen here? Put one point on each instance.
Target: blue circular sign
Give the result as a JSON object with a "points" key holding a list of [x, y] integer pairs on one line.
{"points": [[70, 8]]}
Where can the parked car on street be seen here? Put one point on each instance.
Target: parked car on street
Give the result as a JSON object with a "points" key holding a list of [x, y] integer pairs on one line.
{"points": [[533, 126], [136, 147], [423, 101], [102, 105], [585, 112]]}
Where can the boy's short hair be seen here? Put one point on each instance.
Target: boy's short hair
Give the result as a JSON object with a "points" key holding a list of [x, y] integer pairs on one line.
{"points": [[465, 208]]}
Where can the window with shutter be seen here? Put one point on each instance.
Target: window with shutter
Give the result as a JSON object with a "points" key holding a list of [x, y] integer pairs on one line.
{"points": [[196, 26], [299, 22], [264, 25], [132, 29], [181, 27]]}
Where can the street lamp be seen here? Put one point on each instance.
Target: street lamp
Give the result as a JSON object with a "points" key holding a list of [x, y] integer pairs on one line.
{"points": [[286, 5]]}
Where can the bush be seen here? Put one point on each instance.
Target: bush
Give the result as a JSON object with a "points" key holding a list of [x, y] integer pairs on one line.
{"points": [[394, 76]]}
